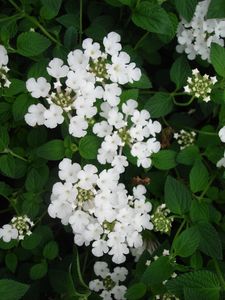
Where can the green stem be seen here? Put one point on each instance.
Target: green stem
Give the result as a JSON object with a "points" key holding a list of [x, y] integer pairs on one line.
{"points": [[207, 187], [179, 229], [203, 132], [140, 40], [184, 103], [81, 22], [219, 273], [8, 151], [35, 22]]}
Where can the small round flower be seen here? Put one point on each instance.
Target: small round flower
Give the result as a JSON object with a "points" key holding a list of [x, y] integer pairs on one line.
{"points": [[160, 219], [35, 115], [8, 233], [38, 88], [53, 116], [57, 69]]}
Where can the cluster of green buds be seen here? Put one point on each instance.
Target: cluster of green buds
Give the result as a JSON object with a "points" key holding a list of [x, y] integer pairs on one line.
{"points": [[166, 296], [185, 138], [161, 220], [98, 68], [23, 224], [200, 86], [64, 99], [4, 81]]}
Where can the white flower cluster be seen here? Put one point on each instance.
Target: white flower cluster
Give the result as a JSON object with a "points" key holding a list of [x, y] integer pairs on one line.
{"points": [[91, 74], [195, 37], [129, 127], [99, 209], [18, 228], [4, 82], [200, 86], [110, 282], [185, 138]]}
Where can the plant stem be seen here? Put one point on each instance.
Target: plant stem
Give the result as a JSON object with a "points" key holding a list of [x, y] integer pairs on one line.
{"points": [[140, 40], [207, 187], [81, 22], [35, 22], [185, 103], [8, 151], [219, 273]]}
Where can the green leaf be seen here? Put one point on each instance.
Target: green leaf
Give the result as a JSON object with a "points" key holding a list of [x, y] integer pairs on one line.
{"points": [[199, 177], [143, 83], [152, 17], [77, 284], [210, 242], [217, 56], [199, 211], [177, 197], [20, 106], [50, 8], [16, 87], [12, 167], [187, 242], [5, 189], [11, 261], [164, 159], [188, 155], [136, 291], [36, 179], [216, 9], [128, 2], [32, 43], [32, 241], [204, 283], [159, 105], [100, 27], [38, 271], [4, 138], [69, 20], [51, 250], [129, 94], [53, 150], [196, 261], [152, 276], [12, 290], [88, 146], [180, 71], [186, 8]]}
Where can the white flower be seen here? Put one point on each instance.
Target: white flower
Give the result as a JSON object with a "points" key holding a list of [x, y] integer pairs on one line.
{"points": [[115, 118], [78, 126], [110, 285], [99, 247], [111, 94], [129, 107], [102, 129], [53, 116], [101, 269], [222, 134], [119, 163], [77, 60], [91, 49], [87, 177], [35, 115], [68, 171], [8, 233], [38, 88], [57, 69], [96, 285], [112, 43], [3, 56]]}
